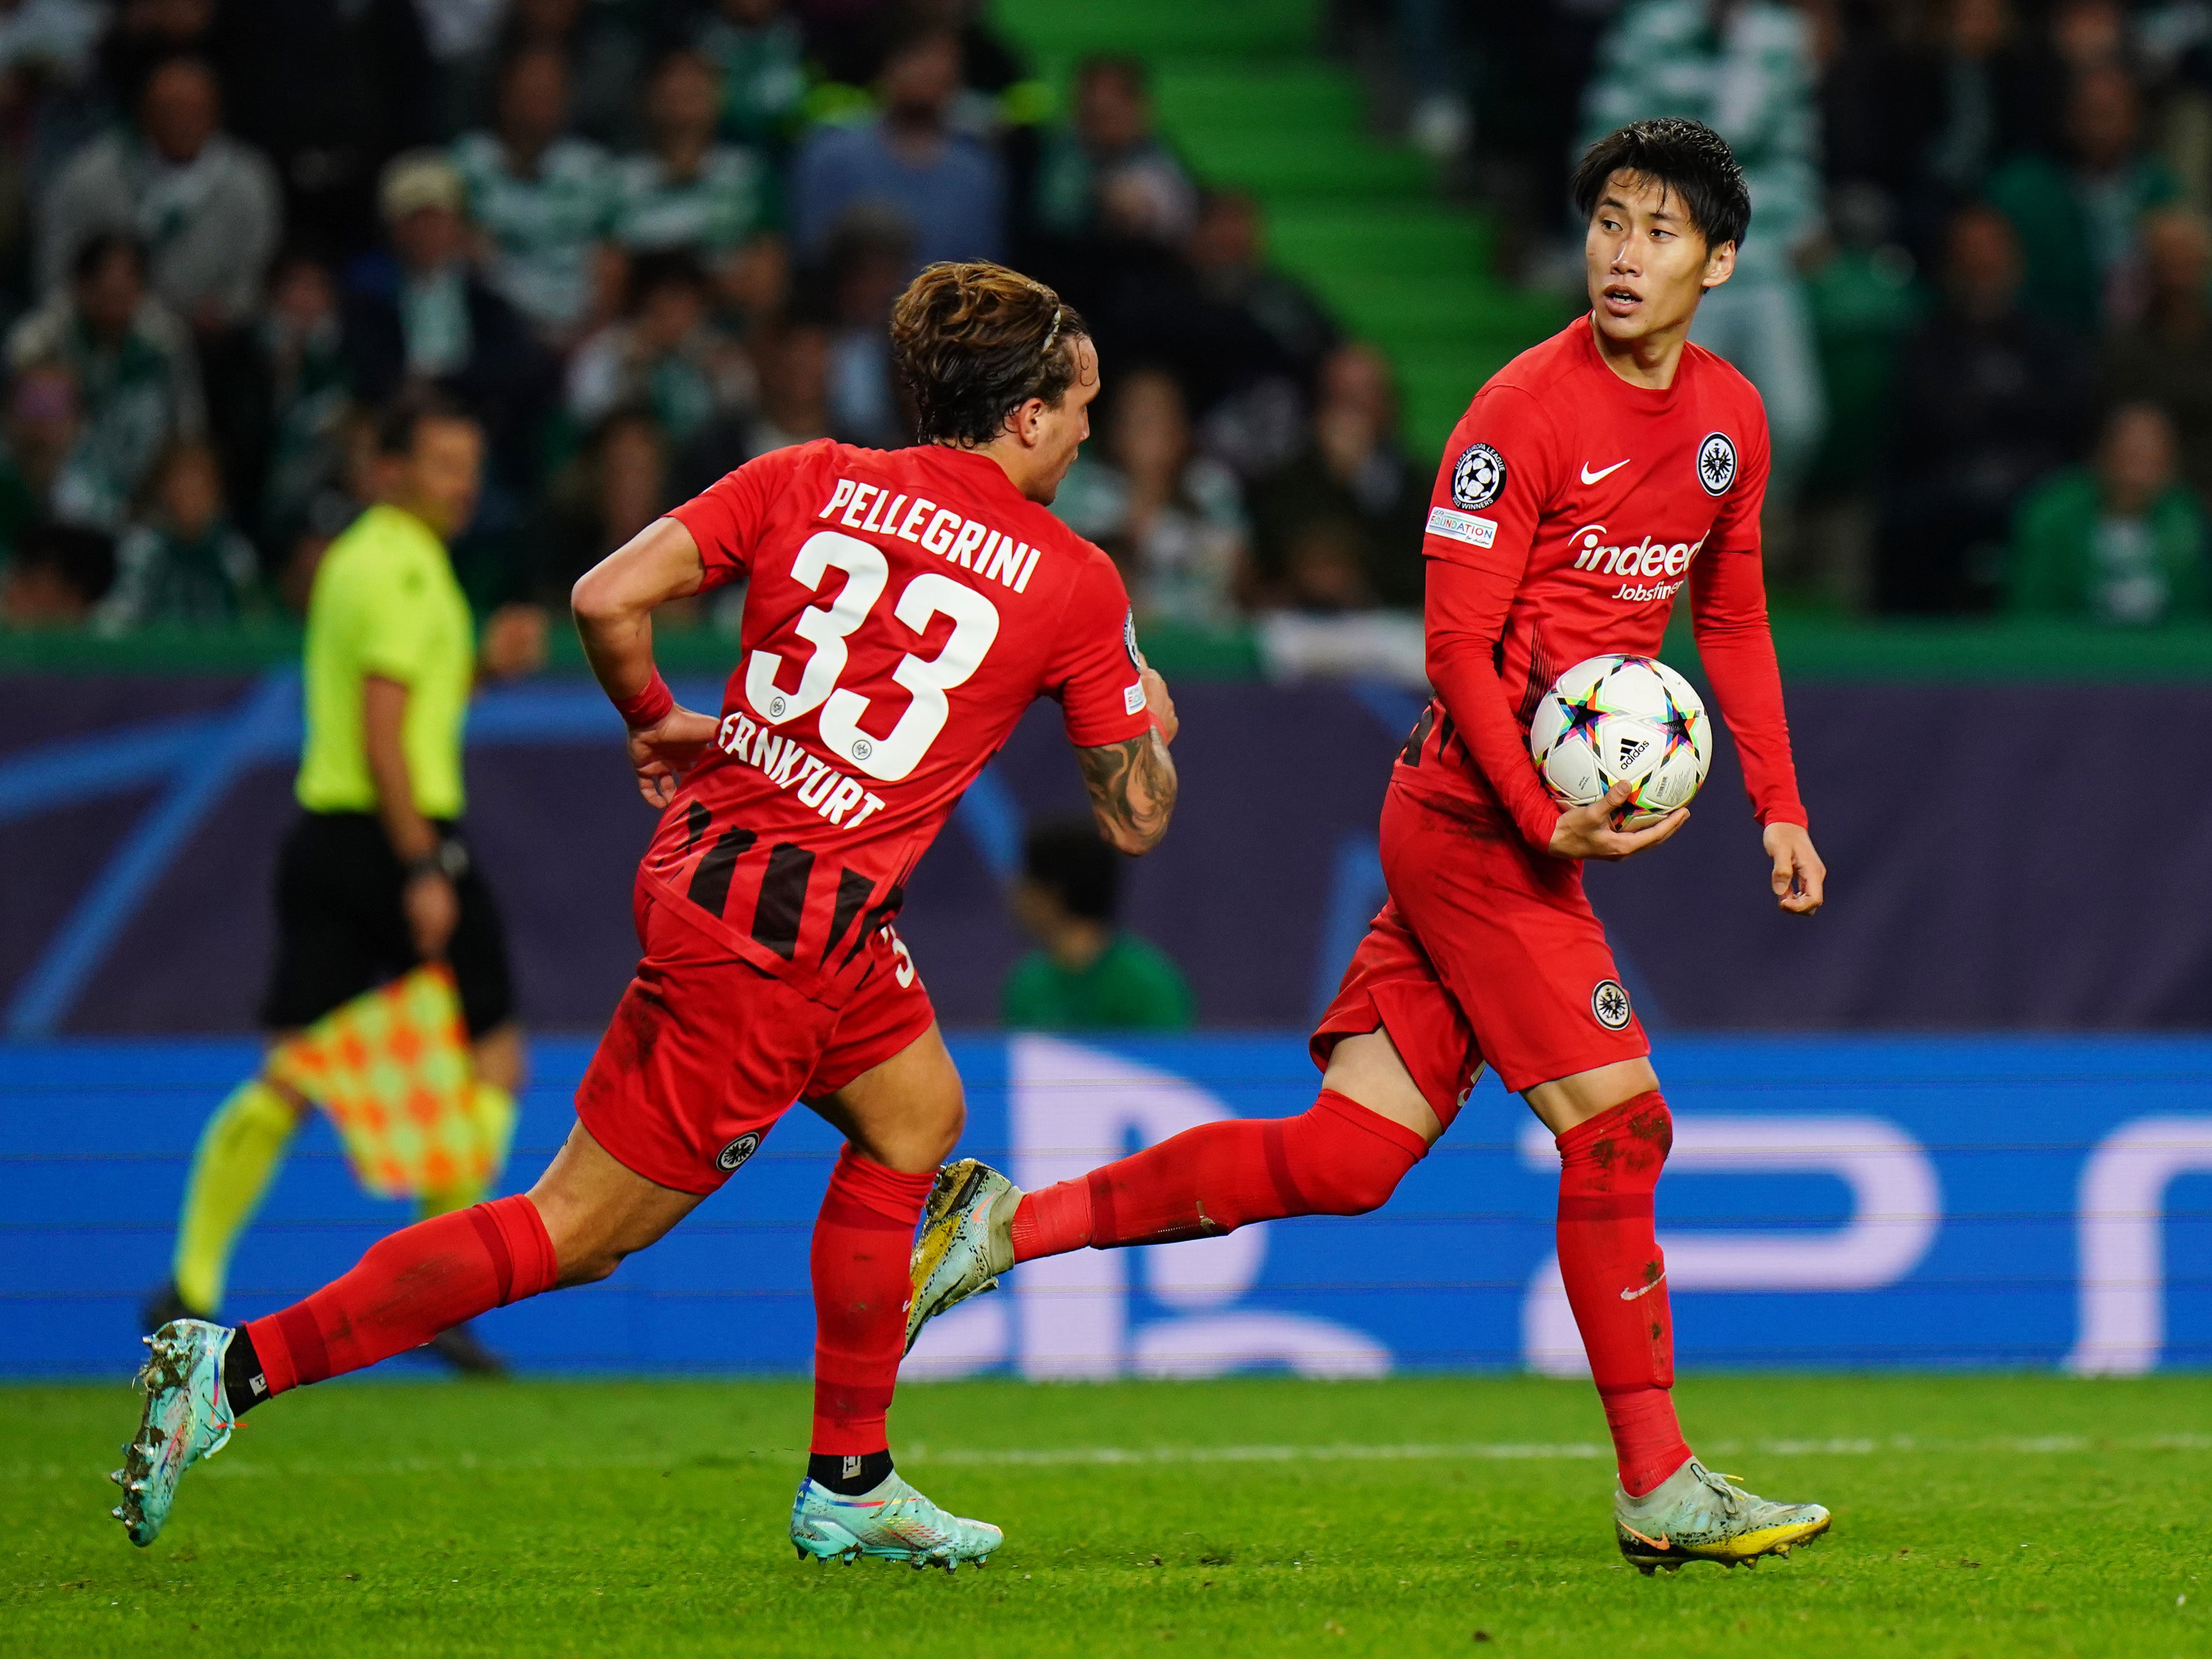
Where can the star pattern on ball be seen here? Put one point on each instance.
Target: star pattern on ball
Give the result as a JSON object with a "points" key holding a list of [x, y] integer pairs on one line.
{"points": [[1583, 714], [1679, 728]]}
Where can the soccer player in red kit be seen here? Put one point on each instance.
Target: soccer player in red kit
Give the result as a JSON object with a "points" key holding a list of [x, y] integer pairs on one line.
{"points": [[901, 612], [1592, 478]]}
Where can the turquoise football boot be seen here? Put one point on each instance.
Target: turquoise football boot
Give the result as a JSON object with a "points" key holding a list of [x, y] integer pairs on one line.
{"points": [[892, 1521], [966, 1241], [1694, 1515], [187, 1418]]}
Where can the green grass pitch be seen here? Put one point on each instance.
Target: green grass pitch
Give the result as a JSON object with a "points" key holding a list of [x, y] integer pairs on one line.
{"points": [[1974, 1516]]}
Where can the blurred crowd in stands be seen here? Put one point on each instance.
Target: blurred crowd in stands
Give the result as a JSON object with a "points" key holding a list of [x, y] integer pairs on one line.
{"points": [[644, 240], [1976, 295], [647, 240]]}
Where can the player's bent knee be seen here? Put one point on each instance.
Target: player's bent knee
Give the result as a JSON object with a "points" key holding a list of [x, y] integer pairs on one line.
{"points": [[1343, 1166], [587, 1256], [1565, 1102], [932, 1129], [950, 1126], [1357, 1187]]}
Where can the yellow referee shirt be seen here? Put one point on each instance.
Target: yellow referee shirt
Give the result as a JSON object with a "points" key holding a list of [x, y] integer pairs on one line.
{"points": [[386, 602]]}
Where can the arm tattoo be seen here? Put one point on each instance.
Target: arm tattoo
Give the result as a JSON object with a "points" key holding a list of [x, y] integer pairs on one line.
{"points": [[1133, 790]]}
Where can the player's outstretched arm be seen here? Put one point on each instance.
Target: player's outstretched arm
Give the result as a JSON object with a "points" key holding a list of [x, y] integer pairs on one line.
{"points": [[1132, 785], [613, 603]]}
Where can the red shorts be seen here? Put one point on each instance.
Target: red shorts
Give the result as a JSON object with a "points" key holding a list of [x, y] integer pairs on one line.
{"points": [[1488, 951], [705, 1051]]}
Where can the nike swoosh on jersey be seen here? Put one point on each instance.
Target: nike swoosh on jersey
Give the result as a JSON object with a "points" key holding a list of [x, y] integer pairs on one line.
{"points": [[1590, 478], [1630, 1296]]}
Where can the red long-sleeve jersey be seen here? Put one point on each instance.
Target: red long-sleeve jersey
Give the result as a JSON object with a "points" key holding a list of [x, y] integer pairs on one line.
{"points": [[1571, 508]]}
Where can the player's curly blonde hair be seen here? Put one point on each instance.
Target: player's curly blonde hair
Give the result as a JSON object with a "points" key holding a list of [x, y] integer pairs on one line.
{"points": [[975, 341]]}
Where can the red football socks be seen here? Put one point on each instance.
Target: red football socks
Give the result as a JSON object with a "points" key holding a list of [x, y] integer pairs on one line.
{"points": [[1616, 1280], [409, 1287], [862, 1240], [1337, 1158], [1052, 1220]]}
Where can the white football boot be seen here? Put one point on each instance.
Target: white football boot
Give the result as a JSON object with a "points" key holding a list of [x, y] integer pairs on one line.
{"points": [[966, 1241], [187, 1418], [1694, 1515], [891, 1521]]}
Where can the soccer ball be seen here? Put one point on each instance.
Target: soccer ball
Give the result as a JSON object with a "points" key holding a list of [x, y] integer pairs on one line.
{"points": [[1612, 719]]}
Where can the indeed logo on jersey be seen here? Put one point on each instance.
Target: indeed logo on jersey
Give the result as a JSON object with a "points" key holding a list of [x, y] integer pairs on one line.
{"points": [[785, 764], [1643, 558], [969, 543]]}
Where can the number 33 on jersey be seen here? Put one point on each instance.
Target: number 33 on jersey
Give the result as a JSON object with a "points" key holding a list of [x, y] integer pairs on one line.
{"points": [[901, 610]]}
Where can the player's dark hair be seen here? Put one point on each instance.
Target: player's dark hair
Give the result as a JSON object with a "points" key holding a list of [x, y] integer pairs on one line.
{"points": [[400, 421], [1067, 857], [1684, 158], [975, 341]]}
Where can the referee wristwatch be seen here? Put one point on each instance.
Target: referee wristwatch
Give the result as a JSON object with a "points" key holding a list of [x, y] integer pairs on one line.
{"points": [[448, 858]]}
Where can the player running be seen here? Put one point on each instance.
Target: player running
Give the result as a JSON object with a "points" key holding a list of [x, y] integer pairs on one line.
{"points": [[902, 611], [1589, 480]]}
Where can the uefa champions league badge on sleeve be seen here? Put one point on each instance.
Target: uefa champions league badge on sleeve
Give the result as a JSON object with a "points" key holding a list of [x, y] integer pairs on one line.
{"points": [[1717, 463], [1479, 476]]}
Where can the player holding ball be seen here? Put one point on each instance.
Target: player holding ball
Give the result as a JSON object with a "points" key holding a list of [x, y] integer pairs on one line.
{"points": [[1591, 479]]}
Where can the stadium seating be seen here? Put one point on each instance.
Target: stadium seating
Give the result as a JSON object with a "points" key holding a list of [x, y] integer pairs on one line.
{"points": [[1246, 96]]}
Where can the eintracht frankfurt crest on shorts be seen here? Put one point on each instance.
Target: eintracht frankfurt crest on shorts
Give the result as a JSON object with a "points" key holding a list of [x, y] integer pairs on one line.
{"points": [[1716, 464], [1609, 1004], [1478, 477], [738, 1151]]}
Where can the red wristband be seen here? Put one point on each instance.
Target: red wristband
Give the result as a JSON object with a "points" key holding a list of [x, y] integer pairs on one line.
{"points": [[649, 707]]}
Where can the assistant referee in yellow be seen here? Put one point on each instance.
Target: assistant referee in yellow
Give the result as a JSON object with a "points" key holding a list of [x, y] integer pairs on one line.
{"points": [[375, 877]]}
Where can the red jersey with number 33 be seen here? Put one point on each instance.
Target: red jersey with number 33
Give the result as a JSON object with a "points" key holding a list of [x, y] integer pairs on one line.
{"points": [[903, 610]]}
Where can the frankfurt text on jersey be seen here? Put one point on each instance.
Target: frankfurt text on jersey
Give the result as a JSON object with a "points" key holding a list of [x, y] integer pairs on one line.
{"points": [[785, 764]]}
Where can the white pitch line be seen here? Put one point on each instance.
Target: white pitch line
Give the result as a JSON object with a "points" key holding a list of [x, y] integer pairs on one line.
{"points": [[1139, 1455], [1515, 1451], [1154, 1457]]}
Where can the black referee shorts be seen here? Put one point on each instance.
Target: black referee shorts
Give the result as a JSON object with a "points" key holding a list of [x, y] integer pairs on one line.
{"points": [[340, 930]]}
